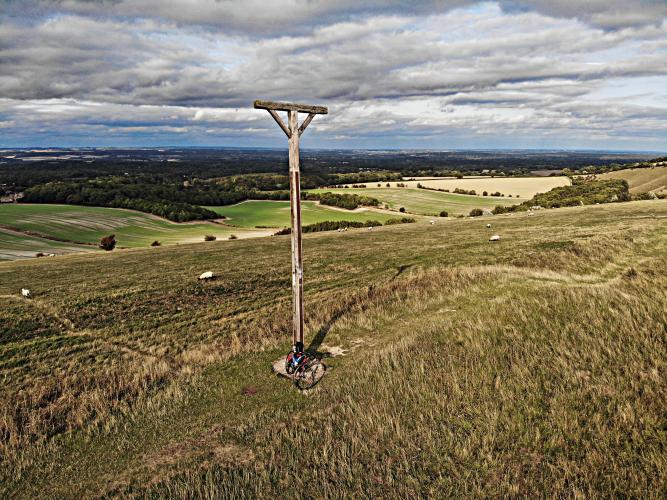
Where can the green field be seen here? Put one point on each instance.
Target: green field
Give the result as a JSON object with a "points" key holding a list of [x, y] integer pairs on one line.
{"points": [[424, 201], [78, 224], [276, 214], [530, 367]]}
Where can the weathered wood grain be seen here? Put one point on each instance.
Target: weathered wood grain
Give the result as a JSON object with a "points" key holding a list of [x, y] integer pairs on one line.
{"points": [[288, 106]]}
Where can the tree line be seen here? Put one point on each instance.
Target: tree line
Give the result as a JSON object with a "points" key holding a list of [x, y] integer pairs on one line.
{"points": [[176, 201]]}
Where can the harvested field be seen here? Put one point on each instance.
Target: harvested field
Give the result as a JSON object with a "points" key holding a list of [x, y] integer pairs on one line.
{"points": [[522, 187], [424, 201], [276, 214]]}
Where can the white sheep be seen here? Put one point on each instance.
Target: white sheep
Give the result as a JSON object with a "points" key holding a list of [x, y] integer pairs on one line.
{"points": [[495, 237], [206, 276], [488, 226], [26, 293]]}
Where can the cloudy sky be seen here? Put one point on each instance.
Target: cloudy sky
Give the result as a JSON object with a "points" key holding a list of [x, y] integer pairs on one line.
{"points": [[394, 74]]}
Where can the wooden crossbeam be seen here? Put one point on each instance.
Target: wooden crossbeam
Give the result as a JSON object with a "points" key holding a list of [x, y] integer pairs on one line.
{"points": [[293, 131], [288, 106]]}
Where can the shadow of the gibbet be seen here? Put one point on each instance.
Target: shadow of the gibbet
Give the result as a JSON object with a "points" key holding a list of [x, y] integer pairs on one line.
{"points": [[321, 334]]}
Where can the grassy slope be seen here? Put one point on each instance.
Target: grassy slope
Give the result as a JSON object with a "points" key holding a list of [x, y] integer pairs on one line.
{"points": [[424, 201], [277, 214], [89, 224], [642, 180], [15, 245], [536, 365]]}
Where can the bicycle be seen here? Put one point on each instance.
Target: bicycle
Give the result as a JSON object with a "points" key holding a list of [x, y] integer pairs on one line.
{"points": [[306, 369]]}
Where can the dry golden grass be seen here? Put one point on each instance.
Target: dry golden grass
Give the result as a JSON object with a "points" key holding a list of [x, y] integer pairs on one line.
{"points": [[536, 366], [533, 398], [642, 180]]}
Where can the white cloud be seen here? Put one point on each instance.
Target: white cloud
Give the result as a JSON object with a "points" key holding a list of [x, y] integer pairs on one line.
{"points": [[526, 68]]}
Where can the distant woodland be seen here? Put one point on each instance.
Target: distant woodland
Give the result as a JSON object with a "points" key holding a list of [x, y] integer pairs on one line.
{"points": [[177, 188]]}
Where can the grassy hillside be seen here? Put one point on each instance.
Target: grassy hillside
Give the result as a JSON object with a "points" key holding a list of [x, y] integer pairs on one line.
{"points": [[88, 224], [424, 201], [277, 214], [642, 180], [534, 366], [16, 245]]}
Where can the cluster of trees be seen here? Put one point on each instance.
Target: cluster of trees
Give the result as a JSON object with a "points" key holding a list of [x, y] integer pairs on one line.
{"points": [[462, 191], [399, 220], [465, 191], [160, 200], [268, 182], [333, 225], [366, 177], [613, 167], [347, 201], [583, 191]]}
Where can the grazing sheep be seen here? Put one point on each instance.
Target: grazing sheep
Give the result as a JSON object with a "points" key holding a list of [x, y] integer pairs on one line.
{"points": [[26, 293], [495, 237], [206, 276], [530, 214], [488, 225]]}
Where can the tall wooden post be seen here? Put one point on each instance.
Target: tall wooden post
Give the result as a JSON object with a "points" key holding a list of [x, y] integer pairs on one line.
{"points": [[293, 132]]}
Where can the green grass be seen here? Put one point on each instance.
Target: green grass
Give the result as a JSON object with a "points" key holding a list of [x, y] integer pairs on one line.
{"points": [[534, 366], [424, 201], [88, 224], [276, 214]]}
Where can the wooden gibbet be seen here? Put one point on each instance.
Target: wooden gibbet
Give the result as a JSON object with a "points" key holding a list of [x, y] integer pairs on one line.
{"points": [[293, 131]]}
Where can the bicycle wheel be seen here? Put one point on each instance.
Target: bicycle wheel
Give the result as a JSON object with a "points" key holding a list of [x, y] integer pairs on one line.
{"points": [[310, 374]]}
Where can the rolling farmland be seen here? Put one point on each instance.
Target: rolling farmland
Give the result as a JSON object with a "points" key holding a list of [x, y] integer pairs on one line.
{"points": [[17, 245], [523, 187], [86, 225], [26, 230], [276, 214], [424, 201]]}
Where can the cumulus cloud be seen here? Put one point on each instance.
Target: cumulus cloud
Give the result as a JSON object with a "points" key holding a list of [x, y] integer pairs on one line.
{"points": [[290, 16], [460, 69]]}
